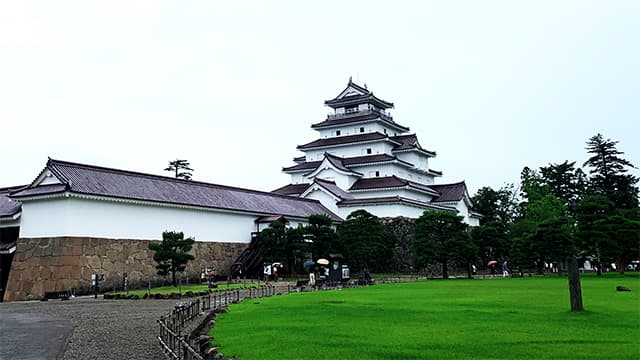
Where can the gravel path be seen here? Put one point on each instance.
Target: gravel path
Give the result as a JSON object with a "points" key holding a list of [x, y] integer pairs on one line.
{"points": [[88, 328], [102, 329]]}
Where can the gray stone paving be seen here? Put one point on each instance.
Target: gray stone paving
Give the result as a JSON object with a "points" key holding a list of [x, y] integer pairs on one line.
{"points": [[81, 328]]}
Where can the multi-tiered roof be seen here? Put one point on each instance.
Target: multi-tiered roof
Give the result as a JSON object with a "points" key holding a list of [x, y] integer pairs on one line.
{"points": [[364, 158]]}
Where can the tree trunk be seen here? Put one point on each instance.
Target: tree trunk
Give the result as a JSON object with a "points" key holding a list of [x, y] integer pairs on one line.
{"points": [[445, 270], [173, 275], [598, 261], [620, 265], [469, 270], [575, 290]]}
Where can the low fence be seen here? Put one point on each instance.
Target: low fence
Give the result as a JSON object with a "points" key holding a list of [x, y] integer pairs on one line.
{"points": [[174, 344]]}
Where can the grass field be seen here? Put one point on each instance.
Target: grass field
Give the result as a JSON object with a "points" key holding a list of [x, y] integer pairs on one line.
{"points": [[525, 318], [184, 288]]}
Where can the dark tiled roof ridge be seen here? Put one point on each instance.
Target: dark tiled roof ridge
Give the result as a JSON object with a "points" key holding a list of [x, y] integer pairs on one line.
{"points": [[451, 192], [370, 136], [8, 189], [405, 136], [288, 185], [167, 178], [356, 119], [324, 180], [394, 198], [400, 182], [449, 184]]}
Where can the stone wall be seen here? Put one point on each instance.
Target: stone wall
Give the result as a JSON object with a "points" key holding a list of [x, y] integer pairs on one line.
{"points": [[63, 263], [402, 229]]}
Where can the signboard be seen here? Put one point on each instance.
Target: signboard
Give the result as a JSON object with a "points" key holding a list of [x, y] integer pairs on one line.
{"points": [[345, 272], [267, 269]]}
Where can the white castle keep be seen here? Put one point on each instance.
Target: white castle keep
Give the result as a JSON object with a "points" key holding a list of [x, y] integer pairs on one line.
{"points": [[363, 159]]}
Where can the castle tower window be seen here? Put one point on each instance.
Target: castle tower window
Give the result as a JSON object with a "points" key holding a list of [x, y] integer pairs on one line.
{"points": [[377, 173], [337, 132], [369, 151], [361, 129]]}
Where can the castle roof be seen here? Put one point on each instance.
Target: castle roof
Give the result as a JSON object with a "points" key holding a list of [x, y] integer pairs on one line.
{"points": [[334, 189], [8, 207], [346, 162], [349, 139], [386, 182], [355, 94], [394, 200], [450, 192], [128, 185], [291, 189], [358, 117], [410, 142]]}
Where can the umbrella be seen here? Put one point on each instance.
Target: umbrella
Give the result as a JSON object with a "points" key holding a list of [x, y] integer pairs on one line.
{"points": [[323, 261], [276, 264], [309, 263], [492, 262]]}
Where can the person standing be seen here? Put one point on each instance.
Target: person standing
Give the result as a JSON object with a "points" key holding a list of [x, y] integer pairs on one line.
{"points": [[505, 269]]}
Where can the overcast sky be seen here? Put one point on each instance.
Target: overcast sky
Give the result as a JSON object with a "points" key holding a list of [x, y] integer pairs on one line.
{"points": [[491, 86]]}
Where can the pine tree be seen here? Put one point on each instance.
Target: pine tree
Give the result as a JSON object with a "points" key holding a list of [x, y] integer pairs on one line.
{"points": [[608, 172], [178, 165], [172, 254]]}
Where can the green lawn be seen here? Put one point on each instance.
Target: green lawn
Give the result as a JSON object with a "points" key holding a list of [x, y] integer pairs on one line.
{"points": [[525, 318], [184, 288]]}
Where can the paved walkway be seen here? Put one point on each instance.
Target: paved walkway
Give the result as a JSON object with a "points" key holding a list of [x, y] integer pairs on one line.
{"points": [[81, 328], [32, 336]]}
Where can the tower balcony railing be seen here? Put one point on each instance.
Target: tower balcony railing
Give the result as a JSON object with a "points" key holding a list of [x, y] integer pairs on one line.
{"points": [[350, 113]]}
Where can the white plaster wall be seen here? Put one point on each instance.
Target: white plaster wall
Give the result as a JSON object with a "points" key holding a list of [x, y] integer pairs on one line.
{"points": [[342, 180], [327, 200], [354, 129], [463, 210], [418, 160], [90, 218], [384, 210], [380, 147], [298, 178], [406, 193]]}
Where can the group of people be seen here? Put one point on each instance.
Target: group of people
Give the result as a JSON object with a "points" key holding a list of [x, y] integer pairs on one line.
{"points": [[318, 275], [493, 268]]}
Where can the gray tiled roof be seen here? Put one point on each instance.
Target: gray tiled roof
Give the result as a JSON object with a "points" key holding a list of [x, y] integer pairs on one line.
{"points": [[409, 141], [113, 183], [390, 182], [333, 188], [355, 119], [368, 95], [393, 199], [349, 161], [291, 189], [304, 166], [338, 140], [450, 192], [337, 162], [7, 206]]}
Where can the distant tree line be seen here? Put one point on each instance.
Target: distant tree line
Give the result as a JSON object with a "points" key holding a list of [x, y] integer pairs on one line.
{"points": [[556, 213], [561, 212]]}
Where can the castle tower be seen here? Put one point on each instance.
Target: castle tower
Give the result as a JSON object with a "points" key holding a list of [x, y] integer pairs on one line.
{"points": [[363, 159]]}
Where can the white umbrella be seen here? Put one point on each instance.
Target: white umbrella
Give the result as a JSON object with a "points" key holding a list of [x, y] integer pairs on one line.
{"points": [[323, 262]]}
